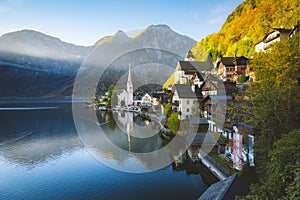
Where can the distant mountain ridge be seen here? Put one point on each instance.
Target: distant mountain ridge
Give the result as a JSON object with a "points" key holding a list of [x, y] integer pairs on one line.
{"points": [[39, 51], [33, 57]]}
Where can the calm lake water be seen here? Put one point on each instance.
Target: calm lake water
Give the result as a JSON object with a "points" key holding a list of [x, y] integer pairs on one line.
{"points": [[42, 157]]}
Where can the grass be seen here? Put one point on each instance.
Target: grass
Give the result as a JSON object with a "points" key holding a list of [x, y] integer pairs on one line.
{"points": [[227, 165]]}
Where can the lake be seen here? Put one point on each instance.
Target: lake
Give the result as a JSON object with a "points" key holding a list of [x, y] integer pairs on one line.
{"points": [[42, 156]]}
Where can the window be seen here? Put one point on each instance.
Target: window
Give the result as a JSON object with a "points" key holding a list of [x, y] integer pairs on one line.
{"points": [[187, 110], [187, 102]]}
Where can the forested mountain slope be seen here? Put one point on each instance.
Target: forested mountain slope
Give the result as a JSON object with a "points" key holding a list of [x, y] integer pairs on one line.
{"points": [[247, 25]]}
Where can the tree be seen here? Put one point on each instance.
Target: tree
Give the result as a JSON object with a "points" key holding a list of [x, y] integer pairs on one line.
{"points": [[173, 122], [122, 102], [167, 108], [274, 97], [275, 107], [110, 95], [282, 178], [247, 25], [242, 79]]}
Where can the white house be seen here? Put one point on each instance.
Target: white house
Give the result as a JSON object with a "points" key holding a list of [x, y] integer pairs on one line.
{"points": [[184, 101], [272, 36], [146, 99]]}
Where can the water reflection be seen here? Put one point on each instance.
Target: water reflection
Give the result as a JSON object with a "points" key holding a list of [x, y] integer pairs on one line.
{"points": [[42, 157], [33, 137], [130, 132], [133, 145]]}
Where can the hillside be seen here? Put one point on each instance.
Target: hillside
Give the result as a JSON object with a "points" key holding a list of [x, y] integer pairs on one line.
{"points": [[247, 24]]}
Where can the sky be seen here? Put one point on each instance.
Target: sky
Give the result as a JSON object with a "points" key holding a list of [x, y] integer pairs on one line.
{"points": [[83, 22]]}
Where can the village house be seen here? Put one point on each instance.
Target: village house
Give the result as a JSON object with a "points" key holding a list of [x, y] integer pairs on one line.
{"points": [[184, 101], [146, 99], [214, 109], [230, 68], [103, 100], [272, 36], [189, 69], [214, 86], [160, 98], [209, 88]]}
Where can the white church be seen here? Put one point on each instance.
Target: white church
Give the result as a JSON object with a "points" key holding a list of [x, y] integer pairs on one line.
{"points": [[126, 95]]}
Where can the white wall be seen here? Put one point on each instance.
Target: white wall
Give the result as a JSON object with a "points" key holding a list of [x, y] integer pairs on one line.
{"points": [[186, 106]]}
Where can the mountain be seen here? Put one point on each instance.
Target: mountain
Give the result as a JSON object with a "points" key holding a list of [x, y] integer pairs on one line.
{"points": [[152, 54], [37, 65], [34, 50], [119, 37], [248, 24]]}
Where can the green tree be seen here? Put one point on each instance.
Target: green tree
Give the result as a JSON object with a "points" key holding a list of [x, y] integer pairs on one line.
{"points": [[274, 96], [275, 107], [242, 79], [110, 95], [123, 102], [173, 122], [167, 108], [282, 178]]}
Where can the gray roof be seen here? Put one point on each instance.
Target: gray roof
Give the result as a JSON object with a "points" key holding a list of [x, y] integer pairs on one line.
{"points": [[230, 61], [184, 91], [195, 66]]}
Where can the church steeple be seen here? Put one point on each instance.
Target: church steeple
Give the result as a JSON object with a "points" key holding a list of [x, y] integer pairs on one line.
{"points": [[189, 56], [129, 88]]}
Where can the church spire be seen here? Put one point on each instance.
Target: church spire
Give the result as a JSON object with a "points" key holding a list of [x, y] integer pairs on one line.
{"points": [[129, 88]]}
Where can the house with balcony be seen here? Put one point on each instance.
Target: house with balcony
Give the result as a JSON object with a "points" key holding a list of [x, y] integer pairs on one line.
{"points": [[230, 68], [184, 101]]}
